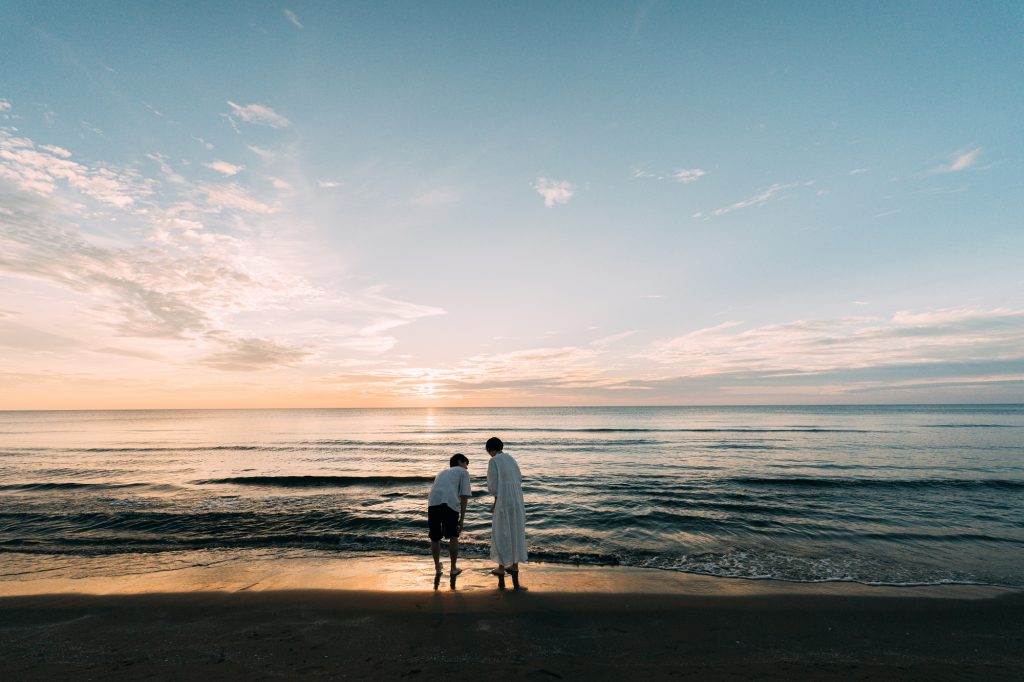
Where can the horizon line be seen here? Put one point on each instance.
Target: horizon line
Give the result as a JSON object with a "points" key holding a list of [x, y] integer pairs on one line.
{"points": [[505, 407]]}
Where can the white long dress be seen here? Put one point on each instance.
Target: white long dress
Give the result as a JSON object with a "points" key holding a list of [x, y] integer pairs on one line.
{"points": [[508, 525]]}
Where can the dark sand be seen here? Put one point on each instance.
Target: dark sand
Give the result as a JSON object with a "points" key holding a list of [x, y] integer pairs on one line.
{"points": [[485, 634]]}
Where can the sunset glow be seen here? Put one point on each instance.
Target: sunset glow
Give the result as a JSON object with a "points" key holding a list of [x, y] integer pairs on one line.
{"points": [[324, 205]]}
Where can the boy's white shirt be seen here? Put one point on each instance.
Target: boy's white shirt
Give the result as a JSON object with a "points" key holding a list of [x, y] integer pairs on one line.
{"points": [[450, 485]]}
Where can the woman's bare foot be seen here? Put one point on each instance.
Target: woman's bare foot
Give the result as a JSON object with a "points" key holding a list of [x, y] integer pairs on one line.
{"points": [[515, 582], [456, 571]]}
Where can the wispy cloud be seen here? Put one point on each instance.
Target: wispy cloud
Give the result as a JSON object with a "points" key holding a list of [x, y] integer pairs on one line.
{"points": [[687, 175], [256, 114], [44, 169], [87, 127], [206, 145], [774, 192], [858, 171], [233, 196], [555, 192], [328, 184], [563, 365], [959, 161], [264, 154], [15, 335], [251, 354], [165, 167], [290, 15], [537, 371], [129, 353], [225, 167], [815, 346], [644, 173], [613, 338], [185, 280], [55, 150], [683, 176], [5, 106]]}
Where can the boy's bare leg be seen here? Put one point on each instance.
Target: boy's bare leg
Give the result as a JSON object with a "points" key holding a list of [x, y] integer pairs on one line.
{"points": [[435, 549], [453, 551]]}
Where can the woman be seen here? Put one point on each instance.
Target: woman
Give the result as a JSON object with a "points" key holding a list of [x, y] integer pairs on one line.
{"points": [[508, 520]]}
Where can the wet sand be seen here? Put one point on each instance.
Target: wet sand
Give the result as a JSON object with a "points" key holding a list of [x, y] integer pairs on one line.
{"points": [[573, 624], [252, 570]]}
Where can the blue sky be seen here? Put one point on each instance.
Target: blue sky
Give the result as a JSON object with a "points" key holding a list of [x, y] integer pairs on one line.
{"points": [[249, 204]]}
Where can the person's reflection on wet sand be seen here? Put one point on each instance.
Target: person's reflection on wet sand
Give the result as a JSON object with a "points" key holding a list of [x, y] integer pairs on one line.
{"points": [[515, 581], [451, 581]]}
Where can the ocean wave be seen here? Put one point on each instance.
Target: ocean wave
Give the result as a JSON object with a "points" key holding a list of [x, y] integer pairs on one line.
{"points": [[69, 485], [177, 528], [823, 482], [652, 430], [770, 565], [944, 537], [190, 448], [157, 449], [972, 426], [748, 564], [741, 446], [316, 481]]}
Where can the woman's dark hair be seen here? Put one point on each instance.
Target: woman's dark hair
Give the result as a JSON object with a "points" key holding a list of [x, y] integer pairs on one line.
{"points": [[457, 459], [494, 445]]}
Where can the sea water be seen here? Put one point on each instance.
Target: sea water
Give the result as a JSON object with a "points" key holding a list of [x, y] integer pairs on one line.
{"points": [[872, 494]]}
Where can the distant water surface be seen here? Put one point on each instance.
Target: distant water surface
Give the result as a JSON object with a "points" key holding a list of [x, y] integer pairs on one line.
{"points": [[879, 495]]}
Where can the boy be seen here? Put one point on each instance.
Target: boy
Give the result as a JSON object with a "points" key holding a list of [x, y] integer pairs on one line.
{"points": [[450, 491]]}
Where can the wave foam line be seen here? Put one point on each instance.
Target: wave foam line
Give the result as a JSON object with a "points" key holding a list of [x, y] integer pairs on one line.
{"points": [[879, 482], [315, 481], [70, 486]]}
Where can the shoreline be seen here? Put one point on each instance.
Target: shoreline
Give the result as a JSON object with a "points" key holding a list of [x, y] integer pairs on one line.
{"points": [[258, 571]]}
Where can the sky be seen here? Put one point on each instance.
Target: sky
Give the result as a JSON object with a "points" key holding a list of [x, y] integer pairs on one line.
{"points": [[376, 204]]}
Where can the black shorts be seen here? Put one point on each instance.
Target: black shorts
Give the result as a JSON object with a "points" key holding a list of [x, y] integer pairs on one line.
{"points": [[442, 520]]}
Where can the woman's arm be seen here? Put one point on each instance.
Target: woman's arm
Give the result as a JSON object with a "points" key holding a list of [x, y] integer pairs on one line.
{"points": [[492, 482]]}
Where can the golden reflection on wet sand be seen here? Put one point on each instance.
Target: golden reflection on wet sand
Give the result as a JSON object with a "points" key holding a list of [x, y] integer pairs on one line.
{"points": [[412, 574]]}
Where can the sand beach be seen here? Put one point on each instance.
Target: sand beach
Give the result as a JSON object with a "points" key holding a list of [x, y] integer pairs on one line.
{"points": [[381, 618]]}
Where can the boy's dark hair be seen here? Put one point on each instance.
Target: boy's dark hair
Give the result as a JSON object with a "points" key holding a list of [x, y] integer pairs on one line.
{"points": [[494, 445], [457, 459]]}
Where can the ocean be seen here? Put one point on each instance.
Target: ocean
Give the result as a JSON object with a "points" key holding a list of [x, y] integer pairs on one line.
{"points": [[887, 495]]}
